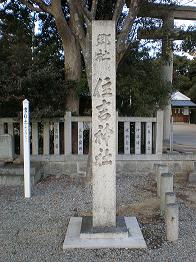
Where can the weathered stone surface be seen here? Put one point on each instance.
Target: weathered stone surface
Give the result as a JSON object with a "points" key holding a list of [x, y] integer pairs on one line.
{"points": [[104, 123], [192, 177], [166, 186], [13, 175], [170, 198], [172, 222], [7, 147]]}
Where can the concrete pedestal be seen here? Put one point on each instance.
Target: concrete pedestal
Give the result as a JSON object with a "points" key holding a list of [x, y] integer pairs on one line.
{"points": [[74, 238]]}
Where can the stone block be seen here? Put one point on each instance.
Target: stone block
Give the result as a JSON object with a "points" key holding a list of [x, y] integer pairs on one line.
{"points": [[13, 175], [73, 240], [192, 177], [6, 147], [90, 232]]}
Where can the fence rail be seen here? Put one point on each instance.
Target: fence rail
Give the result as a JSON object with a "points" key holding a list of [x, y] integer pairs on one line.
{"points": [[71, 134]]}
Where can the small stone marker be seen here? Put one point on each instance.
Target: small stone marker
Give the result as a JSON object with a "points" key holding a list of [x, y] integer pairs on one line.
{"points": [[192, 177], [26, 146], [166, 186], [6, 147], [171, 221], [161, 169]]}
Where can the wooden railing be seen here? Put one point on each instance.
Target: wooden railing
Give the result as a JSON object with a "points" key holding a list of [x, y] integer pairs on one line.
{"points": [[70, 135]]}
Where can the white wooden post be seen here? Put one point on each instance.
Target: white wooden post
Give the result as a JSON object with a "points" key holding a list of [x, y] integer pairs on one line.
{"points": [[148, 138], [26, 143], [80, 138], [21, 139], [159, 132], [67, 134], [137, 138], [46, 138], [56, 139], [127, 138], [34, 138]]}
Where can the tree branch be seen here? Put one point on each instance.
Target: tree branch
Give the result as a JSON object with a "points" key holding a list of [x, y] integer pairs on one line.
{"points": [[31, 6], [86, 13], [118, 10], [122, 42], [77, 24], [94, 8]]}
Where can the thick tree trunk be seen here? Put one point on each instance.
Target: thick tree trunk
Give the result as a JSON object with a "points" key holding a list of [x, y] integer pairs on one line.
{"points": [[72, 59], [72, 67]]}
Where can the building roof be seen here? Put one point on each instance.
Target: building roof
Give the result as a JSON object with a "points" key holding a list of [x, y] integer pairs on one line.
{"points": [[183, 103], [179, 96]]}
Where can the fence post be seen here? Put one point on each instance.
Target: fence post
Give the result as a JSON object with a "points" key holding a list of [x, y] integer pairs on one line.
{"points": [[1, 128], [10, 128], [56, 139], [67, 134], [34, 138], [46, 138], [159, 132]]}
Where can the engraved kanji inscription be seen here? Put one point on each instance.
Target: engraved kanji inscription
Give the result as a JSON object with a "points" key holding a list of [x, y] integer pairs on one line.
{"points": [[103, 88], [104, 157], [103, 134], [103, 41], [107, 133], [99, 135], [103, 110]]}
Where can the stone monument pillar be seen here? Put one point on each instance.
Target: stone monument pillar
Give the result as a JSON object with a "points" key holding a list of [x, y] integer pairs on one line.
{"points": [[104, 229], [104, 123]]}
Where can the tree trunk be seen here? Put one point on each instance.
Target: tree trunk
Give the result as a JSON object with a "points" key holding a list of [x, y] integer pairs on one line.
{"points": [[72, 67], [72, 59]]}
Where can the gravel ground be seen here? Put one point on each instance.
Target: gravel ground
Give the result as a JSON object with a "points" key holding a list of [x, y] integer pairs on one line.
{"points": [[34, 229]]}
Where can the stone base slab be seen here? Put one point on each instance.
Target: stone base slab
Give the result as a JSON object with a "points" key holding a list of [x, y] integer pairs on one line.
{"points": [[73, 239], [88, 231]]}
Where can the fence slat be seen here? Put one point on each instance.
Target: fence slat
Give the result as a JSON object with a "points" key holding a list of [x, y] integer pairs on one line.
{"points": [[80, 138], [56, 139], [46, 139], [149, 138], [34, 138], [126, 138], [137, 138], [67, 134]]}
